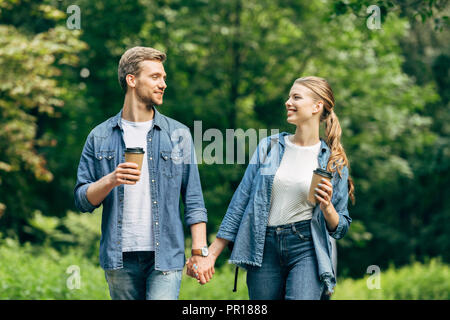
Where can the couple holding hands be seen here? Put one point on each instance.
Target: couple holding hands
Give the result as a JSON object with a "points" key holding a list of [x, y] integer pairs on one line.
{"points": [[279, 236]]}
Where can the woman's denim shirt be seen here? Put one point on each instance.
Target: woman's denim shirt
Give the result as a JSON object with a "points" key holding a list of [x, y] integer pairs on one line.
{"points": [[246, 219]]}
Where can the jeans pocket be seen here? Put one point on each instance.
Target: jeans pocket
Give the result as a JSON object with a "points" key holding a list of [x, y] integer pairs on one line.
{"points": [[303, 234], [174, 275]]}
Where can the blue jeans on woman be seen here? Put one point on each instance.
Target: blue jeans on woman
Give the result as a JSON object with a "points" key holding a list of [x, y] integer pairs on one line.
{"points": [[138, 279], [289, 268]]}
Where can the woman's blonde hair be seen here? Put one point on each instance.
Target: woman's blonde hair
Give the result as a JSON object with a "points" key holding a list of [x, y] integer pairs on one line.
{"points": [[321, 90]]}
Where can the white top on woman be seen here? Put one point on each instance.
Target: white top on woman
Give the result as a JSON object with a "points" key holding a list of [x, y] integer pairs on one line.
{"points": [[291, 184]]}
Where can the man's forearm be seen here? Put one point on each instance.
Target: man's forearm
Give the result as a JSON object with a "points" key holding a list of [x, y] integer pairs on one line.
{"points": [[99, 190], [198, 232]]}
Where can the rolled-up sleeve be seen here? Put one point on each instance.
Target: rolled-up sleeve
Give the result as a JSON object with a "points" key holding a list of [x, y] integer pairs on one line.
{"points": [[232, 219], [341, 203], [230, 224], [191, 188], [85, 176]]}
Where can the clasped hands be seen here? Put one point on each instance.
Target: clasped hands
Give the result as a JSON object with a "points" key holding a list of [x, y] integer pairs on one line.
{"points": [[201, 268]]}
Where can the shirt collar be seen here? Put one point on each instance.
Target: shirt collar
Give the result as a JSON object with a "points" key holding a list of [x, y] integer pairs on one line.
{"points": [[158, 120], [280, 137]]}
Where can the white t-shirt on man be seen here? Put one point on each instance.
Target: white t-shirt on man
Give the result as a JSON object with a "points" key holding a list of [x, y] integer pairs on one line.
{"points": [[137, 233]]}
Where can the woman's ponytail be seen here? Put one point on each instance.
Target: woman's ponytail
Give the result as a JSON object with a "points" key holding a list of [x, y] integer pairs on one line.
{"points": [[338, 159]]}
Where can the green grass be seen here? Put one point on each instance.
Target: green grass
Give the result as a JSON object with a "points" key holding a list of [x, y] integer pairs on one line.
{"points": [[34, 273], [40, 273], [220, 287], [429, 281]]}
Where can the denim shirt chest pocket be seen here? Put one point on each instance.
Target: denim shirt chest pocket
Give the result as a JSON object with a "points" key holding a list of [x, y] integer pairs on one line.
{"points": [[105, 162], [171, 163]]}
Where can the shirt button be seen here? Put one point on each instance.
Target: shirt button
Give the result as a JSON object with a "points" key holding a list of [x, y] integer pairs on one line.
{"points": [[100, 157], [154, 202], [157, 243], [156, 223], [151, 158], [153, 180], [150, 139]]}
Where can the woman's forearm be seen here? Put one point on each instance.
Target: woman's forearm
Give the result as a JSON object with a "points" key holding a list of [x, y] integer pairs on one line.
{"points": [[216, 248], [331, 218]]}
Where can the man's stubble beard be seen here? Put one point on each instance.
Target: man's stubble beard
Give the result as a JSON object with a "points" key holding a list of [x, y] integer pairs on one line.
{"points": [[148, 101]]}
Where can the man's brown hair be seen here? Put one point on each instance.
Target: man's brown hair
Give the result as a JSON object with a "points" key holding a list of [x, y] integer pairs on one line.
{"points": [[130, 60]]}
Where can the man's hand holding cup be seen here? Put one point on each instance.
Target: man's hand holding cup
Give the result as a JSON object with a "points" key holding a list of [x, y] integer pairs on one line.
{"points": [[125, 173]]}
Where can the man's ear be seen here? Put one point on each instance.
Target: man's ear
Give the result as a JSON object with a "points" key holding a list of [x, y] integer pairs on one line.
{"points": [[131, 80]]}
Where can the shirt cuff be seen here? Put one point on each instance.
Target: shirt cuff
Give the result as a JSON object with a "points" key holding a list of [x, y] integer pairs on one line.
{"points": [[226, 235], [196, 216], [85, 205], [337, 233]]}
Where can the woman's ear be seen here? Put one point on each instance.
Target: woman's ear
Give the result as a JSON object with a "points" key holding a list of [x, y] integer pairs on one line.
{"points": [[318, 106]]}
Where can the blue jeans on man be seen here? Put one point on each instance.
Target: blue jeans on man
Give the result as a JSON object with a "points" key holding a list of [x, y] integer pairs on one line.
{"points": [[138, 279]]}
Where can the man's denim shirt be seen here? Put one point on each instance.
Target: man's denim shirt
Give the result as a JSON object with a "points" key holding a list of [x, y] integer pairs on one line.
{"points": [[172, 169], [246, 219]]}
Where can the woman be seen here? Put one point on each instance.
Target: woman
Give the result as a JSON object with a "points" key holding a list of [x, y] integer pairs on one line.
{"points": [[280, 237]]}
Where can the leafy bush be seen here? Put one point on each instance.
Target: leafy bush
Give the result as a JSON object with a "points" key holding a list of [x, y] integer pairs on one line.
{"points": [[80, 231], [42, 273], [429, 281], [31, 272]]}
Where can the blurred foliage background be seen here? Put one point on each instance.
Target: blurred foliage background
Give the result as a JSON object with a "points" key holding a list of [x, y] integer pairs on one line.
{"points": [[230, 64]]}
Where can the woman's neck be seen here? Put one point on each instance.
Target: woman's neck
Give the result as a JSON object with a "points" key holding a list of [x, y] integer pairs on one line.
{"points": [[306, 135]]}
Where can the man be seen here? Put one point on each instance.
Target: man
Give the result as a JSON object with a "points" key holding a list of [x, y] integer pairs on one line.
{"points": [[142, 243]]}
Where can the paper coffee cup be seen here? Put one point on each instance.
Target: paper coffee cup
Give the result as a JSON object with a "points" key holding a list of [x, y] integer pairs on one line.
{"points": [[318, 175], [134, 155]]}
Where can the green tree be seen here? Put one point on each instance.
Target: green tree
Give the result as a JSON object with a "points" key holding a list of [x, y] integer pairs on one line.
{"points": [[30, 89], [231, 65]]}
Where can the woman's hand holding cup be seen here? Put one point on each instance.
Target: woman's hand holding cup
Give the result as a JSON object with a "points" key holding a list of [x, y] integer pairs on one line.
{"points": [[324, 194]]}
